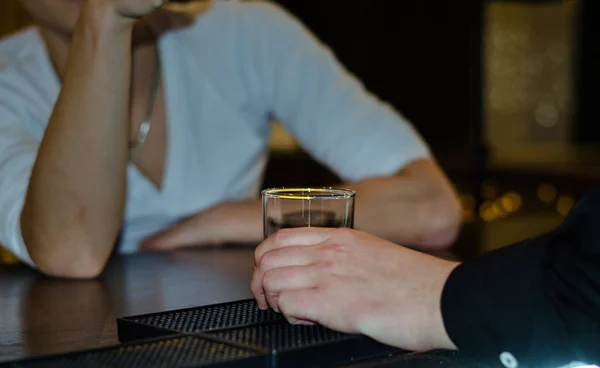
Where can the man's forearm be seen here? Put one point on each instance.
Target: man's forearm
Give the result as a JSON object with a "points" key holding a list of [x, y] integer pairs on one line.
{"points": [[76, 194], [416, 207]]}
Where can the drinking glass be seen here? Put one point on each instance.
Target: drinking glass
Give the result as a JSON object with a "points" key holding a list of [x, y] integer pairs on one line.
{"points": [[306, 207]]}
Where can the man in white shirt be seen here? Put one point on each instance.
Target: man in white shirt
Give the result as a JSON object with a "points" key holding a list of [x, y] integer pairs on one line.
{"points": [[121, 119]]}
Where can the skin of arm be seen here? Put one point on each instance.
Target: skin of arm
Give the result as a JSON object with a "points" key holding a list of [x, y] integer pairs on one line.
{"points": [[417, 206], [75, 199]]}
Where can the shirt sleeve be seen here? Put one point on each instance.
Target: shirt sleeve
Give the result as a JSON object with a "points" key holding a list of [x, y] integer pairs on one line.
{"points": [[18, 149], [535, 303], [324, 107]]}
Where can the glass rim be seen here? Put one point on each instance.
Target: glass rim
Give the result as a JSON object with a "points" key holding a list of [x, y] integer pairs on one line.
{"points": [[304, 193]]}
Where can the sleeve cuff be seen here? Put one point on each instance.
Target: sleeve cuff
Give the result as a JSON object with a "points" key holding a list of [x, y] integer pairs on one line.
{"points": [[488, 304]]}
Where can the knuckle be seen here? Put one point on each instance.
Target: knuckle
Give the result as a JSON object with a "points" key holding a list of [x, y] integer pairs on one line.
{"points": [[326, 267], [344, 232], [269, 279], [333, 247], [332, 252], [323, 271], [280, 235], [257, 255], [266, 261], [325, 286]]}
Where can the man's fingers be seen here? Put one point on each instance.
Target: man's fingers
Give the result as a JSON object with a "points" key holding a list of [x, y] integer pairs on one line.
{"points": [[165, 240], [302, 236], [191, 9], [290, 256], [178, 236], [301, 306], [277, 258], [258, 291], [287, 278], [154, 243]]}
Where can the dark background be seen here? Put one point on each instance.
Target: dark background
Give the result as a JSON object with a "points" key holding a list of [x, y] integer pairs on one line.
{"points": [[421, 56], [426, 59], [587, 123]]}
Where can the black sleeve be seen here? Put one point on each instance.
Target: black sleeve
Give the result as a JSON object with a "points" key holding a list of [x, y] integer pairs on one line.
{"points": [[535, 303]]}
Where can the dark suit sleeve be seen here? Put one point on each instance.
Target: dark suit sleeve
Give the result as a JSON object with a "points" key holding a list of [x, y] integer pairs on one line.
{"points": [[535, 303]]}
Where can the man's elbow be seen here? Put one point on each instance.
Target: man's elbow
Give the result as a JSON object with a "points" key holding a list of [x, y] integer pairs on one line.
{"points": [[70, 253], [66, 263], [78, 271], [441, 218]]}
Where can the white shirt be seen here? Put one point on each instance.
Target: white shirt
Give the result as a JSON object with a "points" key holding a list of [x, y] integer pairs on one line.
{"points": [[225, 77]]}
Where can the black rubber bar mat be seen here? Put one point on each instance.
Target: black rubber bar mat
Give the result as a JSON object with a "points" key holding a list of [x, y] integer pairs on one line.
{"points": [[242, 323], [171, 352], [193, 320], [305, 346]]}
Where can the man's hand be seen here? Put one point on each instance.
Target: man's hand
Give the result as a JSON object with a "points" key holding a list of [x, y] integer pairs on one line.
{"points": [[132, 8], [174, 15], [139, 8], [355, 283], [229, 222]]}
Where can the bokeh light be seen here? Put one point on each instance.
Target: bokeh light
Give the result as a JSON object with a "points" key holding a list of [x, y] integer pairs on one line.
{"points": [[487, 211], [564, 205], [511, 202]]}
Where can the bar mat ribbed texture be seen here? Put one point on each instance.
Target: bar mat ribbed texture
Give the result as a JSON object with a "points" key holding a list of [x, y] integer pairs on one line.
{"points": [[212, 317], [243, 323], [181, 351]]}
